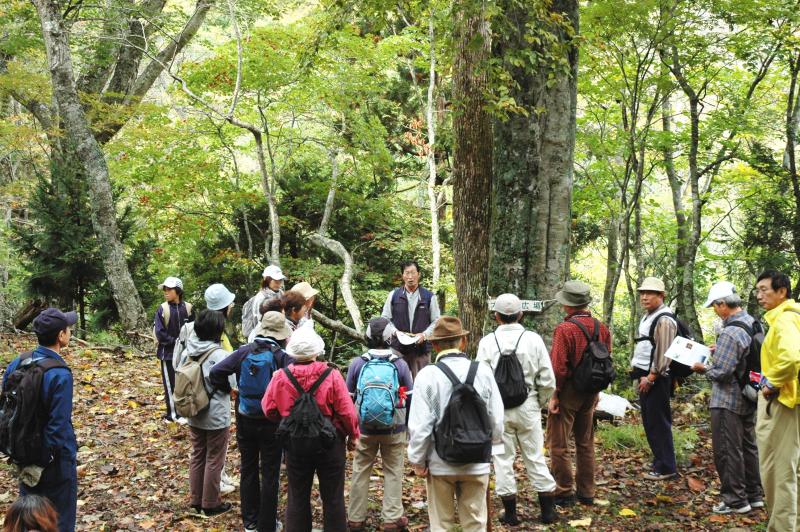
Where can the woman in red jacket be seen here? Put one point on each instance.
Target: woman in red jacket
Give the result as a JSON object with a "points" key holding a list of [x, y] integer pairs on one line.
{"points": [[334, 403]]}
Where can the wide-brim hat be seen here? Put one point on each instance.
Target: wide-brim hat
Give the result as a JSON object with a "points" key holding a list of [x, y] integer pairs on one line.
{"points": [[652, 284], [574, 294], [446, 328], [305, 289], [273, 324]]}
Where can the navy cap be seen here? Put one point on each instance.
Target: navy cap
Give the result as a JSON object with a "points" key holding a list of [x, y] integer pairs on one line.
{"points": [[52, 319]]}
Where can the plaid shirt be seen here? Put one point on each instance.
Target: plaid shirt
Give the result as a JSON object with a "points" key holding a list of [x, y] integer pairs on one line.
{"points": [[569, 343], [733, 343]]}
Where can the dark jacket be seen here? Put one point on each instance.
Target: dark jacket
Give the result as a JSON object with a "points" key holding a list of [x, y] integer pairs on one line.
{"points": [[59, 435], [422, 318], [166, 334], [232, 364]]}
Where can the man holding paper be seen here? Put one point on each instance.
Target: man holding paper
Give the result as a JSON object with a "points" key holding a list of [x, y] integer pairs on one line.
{"points": [[649, 369], [733, 416]]}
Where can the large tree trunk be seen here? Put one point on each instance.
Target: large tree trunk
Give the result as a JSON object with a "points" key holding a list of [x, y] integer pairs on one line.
{"points": [[74, 120], [472, 164], [790, 152], [533, 167], [433, 199]]}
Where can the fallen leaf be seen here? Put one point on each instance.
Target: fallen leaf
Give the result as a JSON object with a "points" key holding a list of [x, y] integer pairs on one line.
{"points": [[601, 502], [627, 512], [575, 523], [664, 498], [133, 404], [147, 524], [718, 519], [695, 484]]}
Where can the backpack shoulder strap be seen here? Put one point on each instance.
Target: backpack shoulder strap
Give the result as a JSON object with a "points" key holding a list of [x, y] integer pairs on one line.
{"points": [[473, 370], [51, 363], [518, 341], [583, 329], [652, 333], [165, 313], [448, 372], [596, 334], [367, 356], [293, 380], [318, 383], [742, 325]]}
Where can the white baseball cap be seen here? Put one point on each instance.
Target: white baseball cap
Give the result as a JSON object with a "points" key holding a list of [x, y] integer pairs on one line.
{"points": [[508, 304], [171, 282], [274, 272], [719, 291]]}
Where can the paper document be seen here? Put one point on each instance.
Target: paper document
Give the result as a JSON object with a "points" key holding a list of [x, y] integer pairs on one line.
{"points": [[687, 351]]}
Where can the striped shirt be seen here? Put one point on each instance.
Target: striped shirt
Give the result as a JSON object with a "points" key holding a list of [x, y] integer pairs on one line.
{"points": [[733, 343]]}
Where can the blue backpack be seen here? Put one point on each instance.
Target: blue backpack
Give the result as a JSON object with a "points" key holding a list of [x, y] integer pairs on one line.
{"points": [[254, 377], [377, 392]]}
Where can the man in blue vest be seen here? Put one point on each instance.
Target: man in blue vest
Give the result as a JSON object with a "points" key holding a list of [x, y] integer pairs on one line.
{"points": [[413, 310]]}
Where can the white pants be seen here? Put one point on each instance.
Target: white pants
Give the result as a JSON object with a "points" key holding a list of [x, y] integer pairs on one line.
{"points": [[523, 428]]}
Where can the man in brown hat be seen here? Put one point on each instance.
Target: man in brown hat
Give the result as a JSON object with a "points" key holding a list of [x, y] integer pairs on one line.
{"points": [[650, 371], [571, 411], [449, 483]]}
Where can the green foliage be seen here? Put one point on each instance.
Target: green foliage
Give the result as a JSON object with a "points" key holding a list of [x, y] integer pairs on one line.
{"points": [[629, 437]]}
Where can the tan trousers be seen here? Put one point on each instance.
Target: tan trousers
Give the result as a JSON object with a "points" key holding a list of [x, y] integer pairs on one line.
{"points": [[468, 491], [392, 448], [778, 438]]}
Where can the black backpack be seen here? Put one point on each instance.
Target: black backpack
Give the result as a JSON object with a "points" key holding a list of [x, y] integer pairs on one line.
{"points": [[23, 414], [752, 362], [305, 430], [509, 376], [595, 371], [464, 435], [677, 370]]}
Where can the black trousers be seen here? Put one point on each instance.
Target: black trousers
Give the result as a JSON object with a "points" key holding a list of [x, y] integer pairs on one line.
{"points": [[733, 437], [260, 473], [657, 421], [59, 484], [168, 380], [329, 468]]}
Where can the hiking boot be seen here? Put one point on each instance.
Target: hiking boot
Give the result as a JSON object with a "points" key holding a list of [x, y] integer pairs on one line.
{"points": [[396, 526], [757, 503], [586, 501], [564, 500], [221, 509], [509, 516], [655, 475], [547, 504], [356, 526], [225, 488], [723, 508]]}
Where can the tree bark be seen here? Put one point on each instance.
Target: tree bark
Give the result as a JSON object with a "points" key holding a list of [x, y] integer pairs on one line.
{"points": [[533, 159], [472, 164], [433, 201], [790, 151], [74, 120]]}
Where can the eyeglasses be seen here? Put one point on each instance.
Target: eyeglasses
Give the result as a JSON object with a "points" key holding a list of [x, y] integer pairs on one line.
{"points": [[761, 290]]}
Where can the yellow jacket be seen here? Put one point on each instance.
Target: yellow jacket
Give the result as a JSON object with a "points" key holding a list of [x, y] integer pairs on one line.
{"points": [[780, 353]]}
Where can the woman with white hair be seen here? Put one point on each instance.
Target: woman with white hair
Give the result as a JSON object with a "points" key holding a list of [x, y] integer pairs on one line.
{"points": [[333, 400]]}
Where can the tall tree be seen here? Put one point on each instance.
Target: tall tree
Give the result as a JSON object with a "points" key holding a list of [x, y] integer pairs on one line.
{"points": [[533, 148], [472, 162]]}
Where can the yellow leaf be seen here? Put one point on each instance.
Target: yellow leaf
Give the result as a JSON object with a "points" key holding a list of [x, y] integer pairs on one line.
{"points": [[627, 512], [576, 523], [133, 404], [664, 498], [110, 410]]}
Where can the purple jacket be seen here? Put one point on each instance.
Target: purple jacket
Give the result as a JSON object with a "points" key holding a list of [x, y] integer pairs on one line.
{"points": [[403, 376]]}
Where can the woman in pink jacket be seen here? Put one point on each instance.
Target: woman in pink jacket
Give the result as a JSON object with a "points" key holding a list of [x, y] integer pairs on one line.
{"points": [[335, 404]]}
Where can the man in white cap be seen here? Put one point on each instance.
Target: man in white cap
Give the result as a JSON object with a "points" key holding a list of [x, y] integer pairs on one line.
{"points": [[170, 317], [271, 287], [733, 415], [526, 382], [650, 370]]}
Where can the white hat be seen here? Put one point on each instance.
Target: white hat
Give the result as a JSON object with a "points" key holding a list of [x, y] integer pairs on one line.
{"points": [[305, 289], [305, 344], [652, 284], [719, 291], [273, 272], [218, 297], [171, 282], [508, 304]]}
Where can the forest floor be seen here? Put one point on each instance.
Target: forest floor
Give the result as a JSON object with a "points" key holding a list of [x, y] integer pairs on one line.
{"points": [[133, 472]]}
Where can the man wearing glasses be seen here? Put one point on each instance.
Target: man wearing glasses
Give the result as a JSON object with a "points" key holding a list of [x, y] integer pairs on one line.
{"points": [[778, 417]]}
